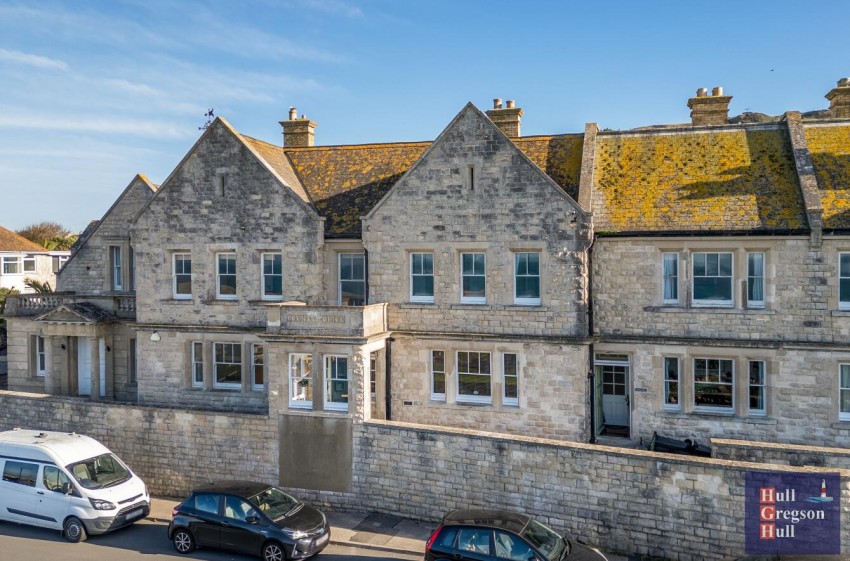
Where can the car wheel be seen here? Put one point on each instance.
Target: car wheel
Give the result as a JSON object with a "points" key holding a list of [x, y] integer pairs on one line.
{"points": [[273, 551], [73, 530], [183, 541]]}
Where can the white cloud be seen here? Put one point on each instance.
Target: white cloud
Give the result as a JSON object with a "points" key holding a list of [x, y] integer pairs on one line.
{"points": [[130, 87], [134, 127], [27, 59]]}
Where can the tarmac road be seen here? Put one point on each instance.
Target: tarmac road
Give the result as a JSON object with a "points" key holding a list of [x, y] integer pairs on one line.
{"points": [[145, 540]]}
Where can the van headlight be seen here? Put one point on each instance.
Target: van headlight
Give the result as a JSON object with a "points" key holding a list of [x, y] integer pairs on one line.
{"points": [[101, 505]]}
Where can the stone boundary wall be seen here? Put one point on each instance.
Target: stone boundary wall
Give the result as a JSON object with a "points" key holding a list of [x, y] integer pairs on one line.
{"points": [[171, 450], [780, 454], [631, 501]]}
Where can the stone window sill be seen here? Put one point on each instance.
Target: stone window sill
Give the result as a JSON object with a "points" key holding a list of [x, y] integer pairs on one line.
{"points": [[710, 310]]}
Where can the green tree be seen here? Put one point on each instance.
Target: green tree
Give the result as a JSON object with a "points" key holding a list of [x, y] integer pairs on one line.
{"points": [[49, 235], [37, 286]]}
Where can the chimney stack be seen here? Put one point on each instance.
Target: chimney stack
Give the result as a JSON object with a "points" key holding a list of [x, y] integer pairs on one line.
{"points": [[508, 118], [839, 100], [297, 133], [709, 109]]}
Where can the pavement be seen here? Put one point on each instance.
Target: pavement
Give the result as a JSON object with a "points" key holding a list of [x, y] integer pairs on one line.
{"points": [[382, 532]]}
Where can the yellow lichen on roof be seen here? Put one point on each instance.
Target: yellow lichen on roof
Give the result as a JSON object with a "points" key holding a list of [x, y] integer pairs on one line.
{"points": [[558, 156], [829, 147], [690, 181], [345, 182]]}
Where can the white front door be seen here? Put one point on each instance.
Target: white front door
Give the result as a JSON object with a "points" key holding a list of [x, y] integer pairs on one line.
{"points": [[83, 366], [615, 394]]}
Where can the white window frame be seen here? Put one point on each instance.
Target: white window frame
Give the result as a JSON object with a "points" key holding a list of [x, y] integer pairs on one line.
{"points": [[255, 364], [518, 275], [670, 279], [116, 266], [763, 387], [352, 280], [328, 363], [29, 264], [298, 371], [428, 299], [197, 364], [712, 408], [177, 274], [731, 277], [510, 400], [228, 257], [40, 356], [437, 396], [264, 275], [843, 389], [373, 375], [473, 299], [755, 279], [58, 262], [467, 398], [12, 262], [843, 279], [215, 365], [669, 381]]}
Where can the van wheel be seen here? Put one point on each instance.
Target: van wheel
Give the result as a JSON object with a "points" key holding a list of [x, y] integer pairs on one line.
{"points": [[73, 530], [183, 541], [272, 551]]}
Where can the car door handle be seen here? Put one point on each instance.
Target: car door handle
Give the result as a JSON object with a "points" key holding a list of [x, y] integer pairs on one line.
{"points": [[40, 492]]}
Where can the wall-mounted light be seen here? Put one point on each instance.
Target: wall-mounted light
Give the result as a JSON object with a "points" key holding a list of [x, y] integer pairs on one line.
{"points": [[63, 346], [155, 337], [107, 348]]}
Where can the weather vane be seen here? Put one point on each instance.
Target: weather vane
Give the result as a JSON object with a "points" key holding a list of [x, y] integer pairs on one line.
{"points": [[209, 115]]}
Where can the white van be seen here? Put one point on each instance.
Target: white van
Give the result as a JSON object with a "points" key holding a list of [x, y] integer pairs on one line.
{"points": [[67, 482]]}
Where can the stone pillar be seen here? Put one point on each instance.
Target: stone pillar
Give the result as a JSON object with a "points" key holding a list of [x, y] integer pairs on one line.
{"points": [[52, 378], [94, 367], [709, 109]]}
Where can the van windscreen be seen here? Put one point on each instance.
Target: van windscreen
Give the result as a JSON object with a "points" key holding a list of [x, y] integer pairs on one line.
{"points": [[99, 472]]}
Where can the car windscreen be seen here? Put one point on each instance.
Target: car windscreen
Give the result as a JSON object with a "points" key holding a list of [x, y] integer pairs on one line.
{"points": [[99, 472], [547, 541], [274, 503]]}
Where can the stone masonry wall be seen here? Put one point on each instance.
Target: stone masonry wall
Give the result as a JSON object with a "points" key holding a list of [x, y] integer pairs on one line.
{"points": [[552, 388], [220, 199], [87, 272], [632, 501], [780, 454], [801, 293], [172, 450], [474, 191]]}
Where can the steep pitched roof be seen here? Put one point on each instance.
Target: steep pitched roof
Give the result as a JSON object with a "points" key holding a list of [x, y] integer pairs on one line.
{"points": [[10, 241], [729, 179], [277, 160], [829, 147], [345, 182], [559, 156]]}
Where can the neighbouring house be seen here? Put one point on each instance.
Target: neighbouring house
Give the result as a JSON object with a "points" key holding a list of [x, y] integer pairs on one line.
{"points": [[690, 279], [21, 259]]}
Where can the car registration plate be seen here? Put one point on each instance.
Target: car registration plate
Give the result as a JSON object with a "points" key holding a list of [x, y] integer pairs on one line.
{"points": [[134, 513]]}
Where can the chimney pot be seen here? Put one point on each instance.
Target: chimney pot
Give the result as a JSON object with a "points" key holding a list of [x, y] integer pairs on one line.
{"points": [[508, 119], [709, 110], [297, 133], [844, 82], [510, 104], [497, 103], [839, 100]]}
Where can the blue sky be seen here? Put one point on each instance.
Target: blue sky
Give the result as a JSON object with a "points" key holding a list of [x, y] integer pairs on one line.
{"points": [[93, 92]]}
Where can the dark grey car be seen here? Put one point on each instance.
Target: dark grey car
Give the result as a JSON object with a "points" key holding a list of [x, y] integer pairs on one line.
{"points": [[496, 535], [248, 517]]}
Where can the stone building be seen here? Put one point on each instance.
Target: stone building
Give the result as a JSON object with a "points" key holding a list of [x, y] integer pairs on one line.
{"points": [[688, 279], [21, 259]]}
